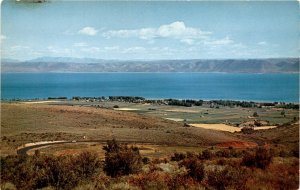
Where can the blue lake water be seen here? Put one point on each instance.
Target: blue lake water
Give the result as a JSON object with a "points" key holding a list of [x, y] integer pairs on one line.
{"points": [[206, 86]]}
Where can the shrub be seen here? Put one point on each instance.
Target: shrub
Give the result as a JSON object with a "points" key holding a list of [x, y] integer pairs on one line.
{"points": [[247, 130], [146, 160], [248, 160], [18, 170], [178, 156], [295, 152], [227, 178], [182, 181], [39, 171], [190, 155], [228, 153], [87, 164], [283, 153], [121, 160], [223, 153], [153, 180], [195, 168], [255, 114], [206, 155], [116, 106], [261, 159], [61, 172]]}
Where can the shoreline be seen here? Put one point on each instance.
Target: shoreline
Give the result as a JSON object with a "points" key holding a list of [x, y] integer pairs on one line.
{"points": [[140, 100]]}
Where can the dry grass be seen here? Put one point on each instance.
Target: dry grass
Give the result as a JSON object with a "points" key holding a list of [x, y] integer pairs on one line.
{"points": [[224, 127], [220, 127]]}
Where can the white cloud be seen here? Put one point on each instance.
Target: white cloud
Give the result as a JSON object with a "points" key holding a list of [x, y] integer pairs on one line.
{"points": [[188, 41], [176, 30], [224, 41], [19, 47], [122, 34], [90, 31], [262, 43], [111, 48], [137, 49], [80, 44]]}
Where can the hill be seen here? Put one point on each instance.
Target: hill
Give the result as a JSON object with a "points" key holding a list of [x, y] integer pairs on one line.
{"points": [[65, 64], [24, 123]]}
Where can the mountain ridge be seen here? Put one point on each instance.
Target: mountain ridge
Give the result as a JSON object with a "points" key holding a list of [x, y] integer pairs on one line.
{"points": [[68, 64]]}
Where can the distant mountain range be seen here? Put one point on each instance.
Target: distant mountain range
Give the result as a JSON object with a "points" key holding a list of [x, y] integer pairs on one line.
{"points": [[68, 64]]}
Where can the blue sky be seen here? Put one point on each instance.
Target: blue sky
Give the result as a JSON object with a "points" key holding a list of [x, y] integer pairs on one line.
{"points": [[149, 30]]}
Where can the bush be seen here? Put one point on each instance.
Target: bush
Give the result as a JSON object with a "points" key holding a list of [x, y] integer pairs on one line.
{"points": [[227, 178], [153, 180], [255, 114], [249, 160], [247, 130], [116, 106], [121, 160], [284, 153], [195, 168], [261, 159], [178, 156], [39, 171], [206, 155], [295, 152], [181, 181], [87, 164], [146, 160]]}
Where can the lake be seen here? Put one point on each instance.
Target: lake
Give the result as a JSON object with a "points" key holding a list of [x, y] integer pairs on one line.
{"points": [[206, 86]]}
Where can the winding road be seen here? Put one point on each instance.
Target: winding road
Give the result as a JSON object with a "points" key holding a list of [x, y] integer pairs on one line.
{"points": [[25, 149]]}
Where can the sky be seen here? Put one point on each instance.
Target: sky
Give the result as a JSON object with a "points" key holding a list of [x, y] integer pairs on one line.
{"points": [[146, 30]]}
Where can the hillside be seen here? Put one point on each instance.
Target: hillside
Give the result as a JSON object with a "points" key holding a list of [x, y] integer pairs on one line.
{"points": [[23, 123], [63, 64]]}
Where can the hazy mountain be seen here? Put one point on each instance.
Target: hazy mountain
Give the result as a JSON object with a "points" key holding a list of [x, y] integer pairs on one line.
{"points": [[64, 60], [66, 64], [9, 60]]}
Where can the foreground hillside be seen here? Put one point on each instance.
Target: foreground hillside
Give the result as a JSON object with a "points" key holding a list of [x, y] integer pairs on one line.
{"points": [[61, 64]]}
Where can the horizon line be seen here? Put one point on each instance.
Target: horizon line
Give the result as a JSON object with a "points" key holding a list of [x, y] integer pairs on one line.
{"points": [[179, 59]]}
